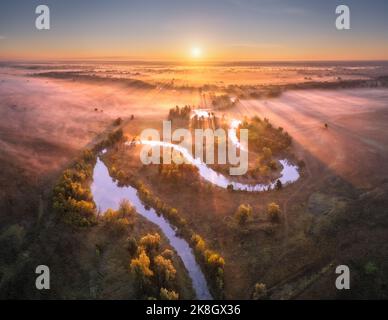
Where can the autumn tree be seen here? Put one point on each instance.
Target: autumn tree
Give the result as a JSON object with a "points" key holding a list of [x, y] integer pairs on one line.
{"points": [[164, 270], [199, 243], [151, 243], [273, 211], [168, 294], [243, 214], [140, 267], [260, 291], [126, 210]]}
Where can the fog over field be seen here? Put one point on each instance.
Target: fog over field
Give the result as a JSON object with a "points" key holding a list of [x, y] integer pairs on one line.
{"points": [[329, 119]]}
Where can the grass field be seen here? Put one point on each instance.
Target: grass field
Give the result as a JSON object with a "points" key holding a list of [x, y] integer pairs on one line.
{"points": [[334, 214]]}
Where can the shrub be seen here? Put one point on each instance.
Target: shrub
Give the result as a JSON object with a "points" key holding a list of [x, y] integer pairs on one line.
{"points": [[273, 211], [168, 294], [260, 291], [126, 209], [132, 246], [151, 243], [118, 221], [164, 269], [199, 243], [117, 122], [72, 199], [370, 268], [243, 214], [168, 254], [263, 137], [214, 264], [141, 265], [11, 241], [278, 185]]}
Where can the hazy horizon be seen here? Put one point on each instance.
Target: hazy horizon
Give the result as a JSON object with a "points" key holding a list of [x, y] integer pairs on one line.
{"points": [[229, 30]]}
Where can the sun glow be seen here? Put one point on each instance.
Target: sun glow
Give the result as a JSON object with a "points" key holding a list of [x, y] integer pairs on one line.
{"points": [[196, 52]]}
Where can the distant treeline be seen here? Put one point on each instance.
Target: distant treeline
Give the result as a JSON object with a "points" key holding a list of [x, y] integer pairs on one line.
{"points": [[272, 91], [76, 76], [180, 113]]}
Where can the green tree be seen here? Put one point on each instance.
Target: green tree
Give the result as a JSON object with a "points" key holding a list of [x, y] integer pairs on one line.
{"points": [[131, 245]]}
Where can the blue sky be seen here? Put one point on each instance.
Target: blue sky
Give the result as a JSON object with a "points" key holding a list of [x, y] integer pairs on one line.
{"points": [[167, 29]]}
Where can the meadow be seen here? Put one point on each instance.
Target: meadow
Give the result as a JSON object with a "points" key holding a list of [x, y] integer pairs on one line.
{"points": [[327, 118]]}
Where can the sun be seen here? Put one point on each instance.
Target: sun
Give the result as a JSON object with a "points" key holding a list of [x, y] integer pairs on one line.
{"points": [[196, 52]]}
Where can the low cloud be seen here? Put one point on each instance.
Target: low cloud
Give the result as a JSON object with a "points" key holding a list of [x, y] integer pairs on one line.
{"points": [[2, 37]]}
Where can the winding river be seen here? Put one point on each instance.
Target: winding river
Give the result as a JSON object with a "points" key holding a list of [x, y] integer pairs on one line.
{"points": [[107, 194], [288, 174]]}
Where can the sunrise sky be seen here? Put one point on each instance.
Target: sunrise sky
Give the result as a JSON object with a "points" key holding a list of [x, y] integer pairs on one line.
{"points": [[218, 30]]}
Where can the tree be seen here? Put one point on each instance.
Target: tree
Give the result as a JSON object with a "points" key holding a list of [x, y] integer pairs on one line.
{"points": [[214, 260], [278, 185], [168, 254], [117, 222], [168, 294], [199, 243], [126, 209], [273, 211], [370, 268], [216, 263], [243, 214], [151, 243], [164, 270], [117, 122], [141, 265], [260, 291], [11, 241], [131, 245]]}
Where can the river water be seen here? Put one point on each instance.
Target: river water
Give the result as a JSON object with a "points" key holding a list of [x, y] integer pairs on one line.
{"points": [[107, 195]]}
